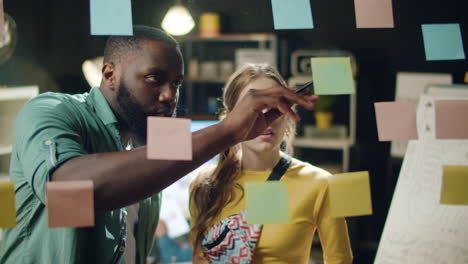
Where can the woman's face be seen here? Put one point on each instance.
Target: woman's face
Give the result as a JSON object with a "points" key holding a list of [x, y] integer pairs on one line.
{"points": [[272, 137]]}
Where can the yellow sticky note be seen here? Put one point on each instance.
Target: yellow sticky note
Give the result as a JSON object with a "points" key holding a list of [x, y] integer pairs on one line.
{"points": [[350, 194], [454, 185], [7, 205]]}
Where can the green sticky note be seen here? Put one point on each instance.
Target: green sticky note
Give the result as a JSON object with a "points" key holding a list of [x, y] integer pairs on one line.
{"points": [[443, 42], [350, 194], [7, 205], [111, 17], [267, 202], [292, 14], [332, 75], [454, 185]]}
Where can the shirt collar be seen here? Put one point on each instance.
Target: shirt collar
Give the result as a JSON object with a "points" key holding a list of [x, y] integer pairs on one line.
{"points": [[97, 100]]}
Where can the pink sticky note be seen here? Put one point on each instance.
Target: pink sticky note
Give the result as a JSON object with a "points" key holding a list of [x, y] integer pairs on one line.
{"points": [[169, 138], [2, 21], [396, 120], [70, 203], [374, 13], [451, 119]]}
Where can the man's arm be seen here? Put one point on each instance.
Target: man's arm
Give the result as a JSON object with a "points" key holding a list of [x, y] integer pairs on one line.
{"points": [[123, 178]]}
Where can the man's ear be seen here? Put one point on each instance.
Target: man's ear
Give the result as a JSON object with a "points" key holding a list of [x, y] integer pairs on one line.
{"points": [[109, 78]]}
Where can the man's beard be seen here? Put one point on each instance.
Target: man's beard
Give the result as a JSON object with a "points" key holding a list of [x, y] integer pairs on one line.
{"points": [[133, 115]]}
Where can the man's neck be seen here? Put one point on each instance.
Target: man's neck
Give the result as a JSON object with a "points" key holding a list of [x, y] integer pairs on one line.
{"points": [[255, 161], [125, 135]]}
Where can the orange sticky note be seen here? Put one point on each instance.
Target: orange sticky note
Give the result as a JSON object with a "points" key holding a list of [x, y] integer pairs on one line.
{"points": [[374, 13], [169, 138], [7, 205], [454, 185], [466, 77], [396, 120], [70, 203], [350, 194], [451, 119]]}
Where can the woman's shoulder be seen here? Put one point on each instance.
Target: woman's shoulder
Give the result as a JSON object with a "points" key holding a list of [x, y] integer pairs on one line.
{"points": [[308, 172]]}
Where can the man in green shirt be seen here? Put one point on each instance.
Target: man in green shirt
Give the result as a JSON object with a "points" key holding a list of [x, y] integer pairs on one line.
{"points": [[60, 137]]}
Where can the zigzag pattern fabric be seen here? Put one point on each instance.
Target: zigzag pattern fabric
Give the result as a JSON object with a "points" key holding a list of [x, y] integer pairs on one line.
{"points": [[238, 244]]}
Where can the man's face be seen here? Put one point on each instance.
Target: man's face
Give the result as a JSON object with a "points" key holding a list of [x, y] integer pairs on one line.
{"points": [[149, 85]]}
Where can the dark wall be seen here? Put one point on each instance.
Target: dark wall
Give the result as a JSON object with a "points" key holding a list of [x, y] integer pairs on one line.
{"points": [[54, 37]]}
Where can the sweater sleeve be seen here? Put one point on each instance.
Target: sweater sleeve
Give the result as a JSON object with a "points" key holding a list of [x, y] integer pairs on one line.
{"points": [[333, 233]]}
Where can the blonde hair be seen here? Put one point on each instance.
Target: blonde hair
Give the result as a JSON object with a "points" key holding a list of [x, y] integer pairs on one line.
{"points": [[212, 193]]}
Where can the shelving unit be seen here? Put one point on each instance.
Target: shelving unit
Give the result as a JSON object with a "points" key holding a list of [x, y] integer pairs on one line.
{"points": [[341, 144], [197, 89], [11, 101]]}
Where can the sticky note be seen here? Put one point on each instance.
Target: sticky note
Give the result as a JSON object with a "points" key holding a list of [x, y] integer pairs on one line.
{"points": [[451, 119], [466, 77], [454, 185], [267, 202], [332, 75], [70, 203], [374, 13], [169, 138], [7, 205], [292, 14], [396, 120], [111, 17], [443, 42], [350, 194]]}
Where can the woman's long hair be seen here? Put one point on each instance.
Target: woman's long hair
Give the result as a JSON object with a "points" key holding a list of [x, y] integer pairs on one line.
{"points": [[211, 194]]}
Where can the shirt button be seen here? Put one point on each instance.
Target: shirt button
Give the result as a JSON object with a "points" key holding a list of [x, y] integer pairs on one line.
{"points": [[48, 142], [122, 249]]}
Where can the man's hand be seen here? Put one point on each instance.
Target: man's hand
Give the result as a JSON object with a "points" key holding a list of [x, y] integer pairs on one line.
{"points": [[248, 119]]}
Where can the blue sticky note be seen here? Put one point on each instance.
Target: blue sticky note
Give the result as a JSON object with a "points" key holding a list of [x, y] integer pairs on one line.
{"points": [[292, 14], [111, 17], [443, 42]]}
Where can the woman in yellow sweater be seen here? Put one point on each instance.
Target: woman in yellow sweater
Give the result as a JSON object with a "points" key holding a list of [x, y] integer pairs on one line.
{"points": [[218, 191]]}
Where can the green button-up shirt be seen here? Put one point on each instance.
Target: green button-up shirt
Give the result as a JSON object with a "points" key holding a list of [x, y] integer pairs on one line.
{"points": [[51, 129]]}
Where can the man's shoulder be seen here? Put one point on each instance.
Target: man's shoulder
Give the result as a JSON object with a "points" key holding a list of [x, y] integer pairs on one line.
{"points": [[52, 99], [56, 103]]}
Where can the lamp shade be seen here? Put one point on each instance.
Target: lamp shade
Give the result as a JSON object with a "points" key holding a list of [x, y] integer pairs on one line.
{"points": [[92, 70], [178, 21]]}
